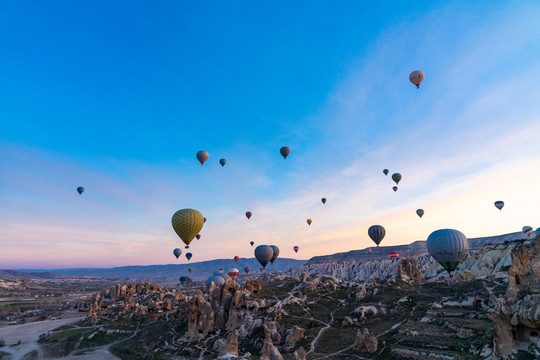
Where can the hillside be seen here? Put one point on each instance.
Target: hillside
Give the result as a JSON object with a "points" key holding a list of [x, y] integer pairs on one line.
{"points": [[413, 249]]}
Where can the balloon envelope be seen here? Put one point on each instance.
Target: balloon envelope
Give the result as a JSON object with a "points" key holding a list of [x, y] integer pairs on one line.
{"points": [[252, 243], [80, 190], [296, 248], [309, 221], [190, 269], [393, 254], [527, 229], [499, 204], [448, 247], [420, 212], [385, 172], [248, 215], [202, 156], [177, 252], [263, 254], [323, 200], [376, 233], [275, 254], [233, 272], [189, 256], [416, 77], [182, 279], [187, 223], [396, 177], [395, 188], [217, 280], [222, 162], [246, 269], [369, 250], [236, 258], [285, 151]]}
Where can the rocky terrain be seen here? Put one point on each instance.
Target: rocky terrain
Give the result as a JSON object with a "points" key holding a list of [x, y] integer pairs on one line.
{"points": [[387, 309]]}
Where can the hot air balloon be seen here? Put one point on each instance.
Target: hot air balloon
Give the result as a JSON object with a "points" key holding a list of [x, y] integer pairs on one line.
{"points": [[420, 212], [296, 248], [275, 255], [182, 280], [396, 177], [80, 190], [222, 162], [369, 250], [416, 77], [376, 233], [448, 247], [499, 205], [261, 269], [527, 230], [236, 258], [285, 151], [177, 252], [252, 243], [395, 188], [263, 254], [202, 156], [393, 254], [198, 236], [386, 171], [189, 256], [309, 221], [246, 269], [248, 215], [323, 200], [187, 223], [217, 280], [190, 269], [233, 272]]}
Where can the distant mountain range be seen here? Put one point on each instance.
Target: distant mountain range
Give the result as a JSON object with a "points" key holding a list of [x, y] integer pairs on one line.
{"points": [[203, 269]]}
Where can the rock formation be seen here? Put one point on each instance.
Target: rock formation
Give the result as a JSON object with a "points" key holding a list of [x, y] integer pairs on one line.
{"points": [[269, 351], [229, 346], [299, 354], [365, 341]]}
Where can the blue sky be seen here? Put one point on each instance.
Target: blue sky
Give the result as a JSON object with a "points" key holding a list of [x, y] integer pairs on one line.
{"points": [[119, 97]]}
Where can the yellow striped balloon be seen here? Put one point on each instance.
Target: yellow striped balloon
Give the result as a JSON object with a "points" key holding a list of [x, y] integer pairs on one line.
{"points": [[187, 223]]}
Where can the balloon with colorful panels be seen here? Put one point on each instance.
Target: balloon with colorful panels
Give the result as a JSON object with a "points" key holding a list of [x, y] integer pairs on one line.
{"points": [[246, 269], [236, 258], [80, 190], [190, 269], [527, 230], [376, 233], [448, 247], [396, 177], [222, 162], [395, 188], [420, 212], [285, 151], [198, 236], [217, 280], [393, 254], [263, 254], [233, 272], [177, 252], [309, 221], [416, 77], [183, 280], [499, 204], [187, 223], [369, 250], [202, 156], [189, 256]]}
